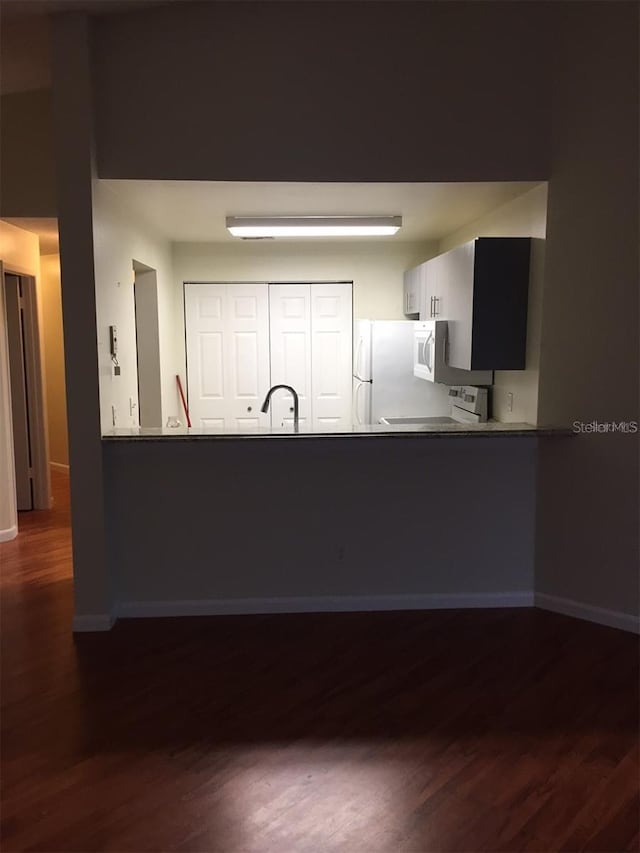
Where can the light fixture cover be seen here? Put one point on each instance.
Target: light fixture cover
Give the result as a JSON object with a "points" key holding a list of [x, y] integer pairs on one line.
{"points": [[313, 226]]}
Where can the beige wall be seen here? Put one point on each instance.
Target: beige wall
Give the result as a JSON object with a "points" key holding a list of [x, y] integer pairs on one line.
{"points": [[376, 269], [54, 358], [525, 216]]}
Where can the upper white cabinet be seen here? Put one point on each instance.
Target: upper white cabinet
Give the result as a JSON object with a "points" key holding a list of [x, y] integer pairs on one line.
{"points": [[413, 292], [481, 290], [435, 278]]}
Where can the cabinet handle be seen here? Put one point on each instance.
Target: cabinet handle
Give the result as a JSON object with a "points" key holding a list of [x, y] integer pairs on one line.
{"points": [[431, 314]]}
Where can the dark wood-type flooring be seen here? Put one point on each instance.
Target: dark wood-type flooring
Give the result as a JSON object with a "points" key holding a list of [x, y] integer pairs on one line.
{"points": [[450, 730]]}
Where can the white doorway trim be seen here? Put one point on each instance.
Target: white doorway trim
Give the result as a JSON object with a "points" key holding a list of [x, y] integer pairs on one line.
{"points": [[145, 300], [8, 512], [36, 400]]}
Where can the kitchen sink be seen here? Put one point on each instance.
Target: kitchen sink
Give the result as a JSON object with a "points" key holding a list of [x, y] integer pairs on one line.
{"points": [[416, 420]]}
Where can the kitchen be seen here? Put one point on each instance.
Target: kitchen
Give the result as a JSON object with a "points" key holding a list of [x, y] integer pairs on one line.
{"points": [[195, 517], [347, 321]]}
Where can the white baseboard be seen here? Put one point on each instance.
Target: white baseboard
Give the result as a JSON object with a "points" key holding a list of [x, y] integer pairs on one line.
{"points": [[87, 622], [59, 466], [568, 607], [9, 533], [322, 604]]}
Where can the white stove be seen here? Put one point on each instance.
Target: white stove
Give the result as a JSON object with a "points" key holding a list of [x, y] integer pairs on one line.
{"points": [[469, 404]]}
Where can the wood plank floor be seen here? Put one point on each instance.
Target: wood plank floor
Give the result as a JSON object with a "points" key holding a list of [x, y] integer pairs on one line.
{"points": [[468, 731]]}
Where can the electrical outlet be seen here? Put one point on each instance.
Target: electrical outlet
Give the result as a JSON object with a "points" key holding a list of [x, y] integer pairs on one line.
{"points": [[509, 402]]}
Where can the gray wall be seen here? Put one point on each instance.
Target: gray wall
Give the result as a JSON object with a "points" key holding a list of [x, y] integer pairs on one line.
{"points": [[423, 91], [324, 91], [588, 490], [226, 519], [75, 161], [27, 177]]}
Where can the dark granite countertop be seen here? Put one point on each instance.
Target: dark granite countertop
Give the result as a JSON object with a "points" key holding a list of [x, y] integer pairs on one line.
{"points": [[449, 430]]}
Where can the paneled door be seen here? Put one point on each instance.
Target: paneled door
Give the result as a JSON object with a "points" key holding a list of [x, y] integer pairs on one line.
{"points": [[290, 327], [331, 348], [227, 335]]}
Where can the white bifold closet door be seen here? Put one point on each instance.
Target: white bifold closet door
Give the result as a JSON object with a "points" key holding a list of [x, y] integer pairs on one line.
{"points": [[311, 349], [290, 331], [227, 354]]}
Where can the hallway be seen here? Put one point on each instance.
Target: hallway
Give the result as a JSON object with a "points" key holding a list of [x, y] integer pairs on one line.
{"points": [[443, 730]]}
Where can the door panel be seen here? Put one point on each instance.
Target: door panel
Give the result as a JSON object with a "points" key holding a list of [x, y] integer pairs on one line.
{"points": [[290, 327], [211, 365], [205, 339], [227, 329], [247, 373], [209, 423], [331, 345]]}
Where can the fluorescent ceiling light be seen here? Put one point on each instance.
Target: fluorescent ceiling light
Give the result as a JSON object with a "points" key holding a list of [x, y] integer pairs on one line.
{"points": [[313, 226]]}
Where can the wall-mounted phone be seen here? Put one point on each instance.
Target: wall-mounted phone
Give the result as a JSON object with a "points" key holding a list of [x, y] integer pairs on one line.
{"points": [[113, 349], [113, 341]]}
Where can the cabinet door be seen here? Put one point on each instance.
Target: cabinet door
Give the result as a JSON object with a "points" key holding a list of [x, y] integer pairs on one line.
{"points": [[458, 303], [290, 332], [412, 280], [433, 289], [331, 353]]}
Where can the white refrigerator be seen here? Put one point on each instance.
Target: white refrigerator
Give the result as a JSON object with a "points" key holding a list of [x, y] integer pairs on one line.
{"points": [[383, 380]]}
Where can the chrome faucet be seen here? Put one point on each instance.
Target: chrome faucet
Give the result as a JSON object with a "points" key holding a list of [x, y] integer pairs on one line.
{"points": [[296, 403]]}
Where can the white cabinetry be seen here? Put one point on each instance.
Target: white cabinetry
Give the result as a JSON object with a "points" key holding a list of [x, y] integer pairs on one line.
{"points": [[413, 292], [434, 275], [480, 289], [487, 295]]}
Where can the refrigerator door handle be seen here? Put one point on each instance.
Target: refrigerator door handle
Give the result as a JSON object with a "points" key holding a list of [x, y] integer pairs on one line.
{"points": [[356, 410], [358, 365]]}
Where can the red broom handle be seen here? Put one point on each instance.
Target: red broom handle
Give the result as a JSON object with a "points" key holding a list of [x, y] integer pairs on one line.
{"points": [[184, 402]]}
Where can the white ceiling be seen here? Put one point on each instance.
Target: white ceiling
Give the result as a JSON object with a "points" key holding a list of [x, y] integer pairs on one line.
{"points": [[195, 211], [46, 229]]}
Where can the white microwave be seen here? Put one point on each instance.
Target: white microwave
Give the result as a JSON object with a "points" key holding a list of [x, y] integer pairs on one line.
{"points": [[430, 357]]}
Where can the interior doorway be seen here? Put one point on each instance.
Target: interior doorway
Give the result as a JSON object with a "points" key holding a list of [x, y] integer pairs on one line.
{"points": [[145, 287], [28, 416]]}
